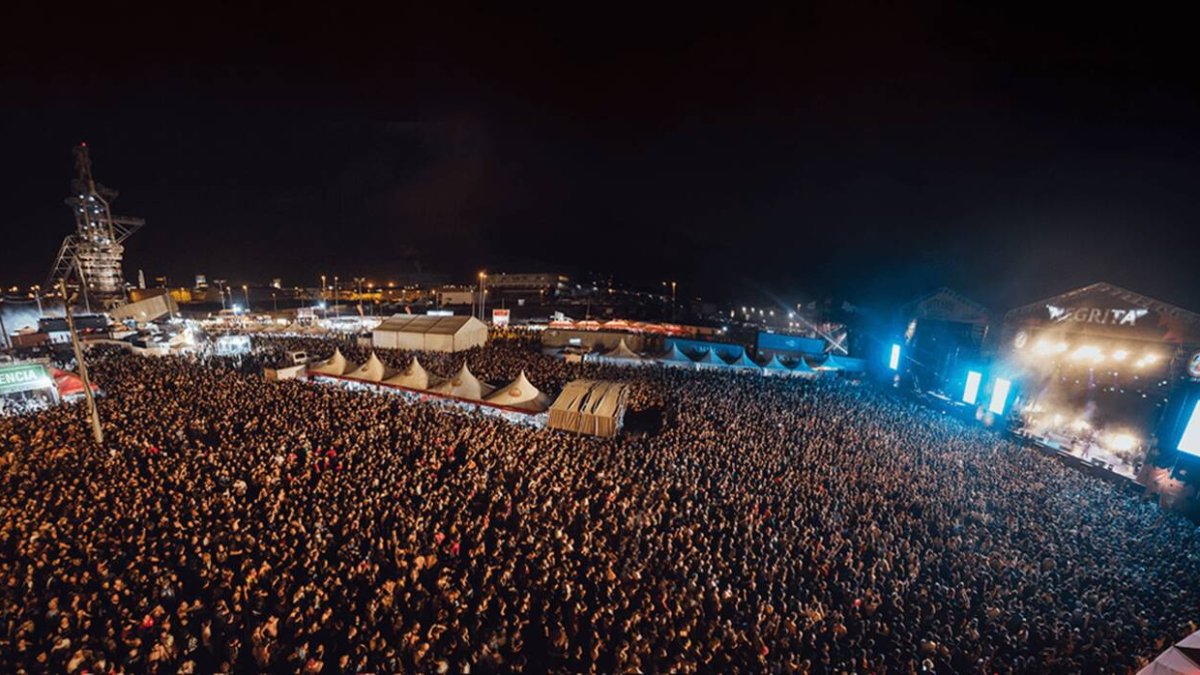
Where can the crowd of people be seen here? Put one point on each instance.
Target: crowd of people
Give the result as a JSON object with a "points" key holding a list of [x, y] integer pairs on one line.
{"points": [[230, 524]]}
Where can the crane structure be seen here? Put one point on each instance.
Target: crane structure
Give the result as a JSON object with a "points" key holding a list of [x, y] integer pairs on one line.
{"points": [[94, 251]]}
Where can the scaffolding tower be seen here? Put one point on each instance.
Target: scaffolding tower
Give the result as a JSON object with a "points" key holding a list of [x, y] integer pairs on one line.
{"points": [[93, 252]]}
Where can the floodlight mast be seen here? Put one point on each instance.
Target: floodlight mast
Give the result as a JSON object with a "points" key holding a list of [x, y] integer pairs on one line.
{"points": [[95, 249]]}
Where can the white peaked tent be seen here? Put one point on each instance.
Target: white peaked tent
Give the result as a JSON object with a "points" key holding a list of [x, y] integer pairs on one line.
{"points": [[520, 393], [711, 360], [371, 371], [464, 385], [1182, 658], [335, 365], [676, 358], [413, 377], [774, 367], [622, 352]]}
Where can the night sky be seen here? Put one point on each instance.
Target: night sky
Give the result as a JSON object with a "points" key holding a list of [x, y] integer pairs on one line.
{"points": [[866, 152]]}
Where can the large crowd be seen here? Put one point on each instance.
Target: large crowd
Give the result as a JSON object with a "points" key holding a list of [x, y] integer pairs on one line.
{"points": [[230, 524]]}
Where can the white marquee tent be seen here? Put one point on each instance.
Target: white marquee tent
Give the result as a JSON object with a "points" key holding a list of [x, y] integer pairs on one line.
{"points": [[430, 333]]}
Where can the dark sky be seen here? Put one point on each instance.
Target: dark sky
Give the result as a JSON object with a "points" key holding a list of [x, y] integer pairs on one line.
{"points": [[866, 151]]}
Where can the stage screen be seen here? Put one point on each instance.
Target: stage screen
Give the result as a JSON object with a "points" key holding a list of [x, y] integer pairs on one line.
{"points": [[999, 396], [971, 393], [894, 361], [1190, 442]]}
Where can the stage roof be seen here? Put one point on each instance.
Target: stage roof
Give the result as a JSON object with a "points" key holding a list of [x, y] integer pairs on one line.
{"points": [[1111, 311]]}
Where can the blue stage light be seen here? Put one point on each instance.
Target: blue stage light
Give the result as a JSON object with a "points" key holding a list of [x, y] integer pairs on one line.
{"points": [[894, 361], [999, 396], [971, 393], [1190, 442]]}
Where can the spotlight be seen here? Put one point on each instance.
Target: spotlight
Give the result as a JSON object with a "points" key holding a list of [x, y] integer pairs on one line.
{"points": [[1120, 355]]}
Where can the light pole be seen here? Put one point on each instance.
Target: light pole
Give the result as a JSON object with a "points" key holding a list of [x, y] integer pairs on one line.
{"points": [[321, 293], [482, 280], [335, 296], [274, 302], [358, 282], [37, 295], [246, 296], [221, 290], [97, 431], [672, 302]]}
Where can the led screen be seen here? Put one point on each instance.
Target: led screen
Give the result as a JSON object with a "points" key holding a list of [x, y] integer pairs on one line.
{"points": [[1190, 442], [999, 396], [971, 393]]}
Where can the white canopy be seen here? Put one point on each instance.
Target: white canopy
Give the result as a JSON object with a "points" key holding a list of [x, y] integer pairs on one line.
{"points": [[335, 365], [413, 377], [464, 385], [371, 371], [1182, 658], [622, 351], [520, 393]]}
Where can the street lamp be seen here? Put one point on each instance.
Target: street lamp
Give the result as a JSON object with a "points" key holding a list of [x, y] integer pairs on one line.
{"points": [[322, 293], [246, 295], [335, 295], [482, 301], [37, 295]]}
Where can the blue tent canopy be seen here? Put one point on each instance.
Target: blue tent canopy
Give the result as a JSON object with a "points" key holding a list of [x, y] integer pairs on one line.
{"points": [[710, 358], [676, 357], [803, 368], [744, 361], [775, 366]]}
